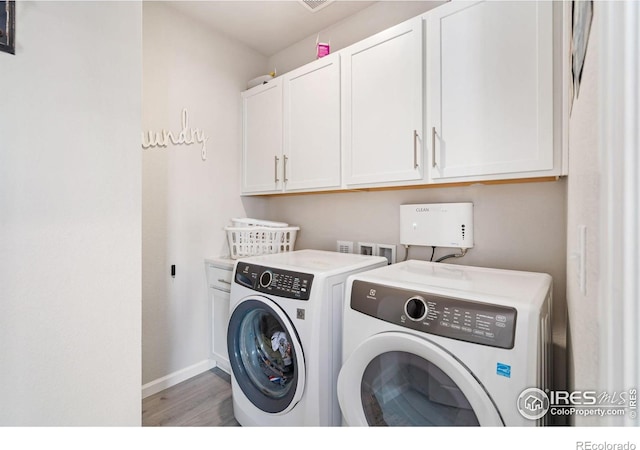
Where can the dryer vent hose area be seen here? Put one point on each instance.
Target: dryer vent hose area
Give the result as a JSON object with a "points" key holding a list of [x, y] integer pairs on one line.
{"points": [[463, 251]]}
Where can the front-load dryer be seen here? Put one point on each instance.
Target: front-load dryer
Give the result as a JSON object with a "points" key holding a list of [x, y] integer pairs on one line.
{"points": [[431, 344], [284, 336]]}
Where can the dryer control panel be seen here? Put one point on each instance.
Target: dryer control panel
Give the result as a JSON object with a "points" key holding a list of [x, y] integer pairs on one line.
{"points": [[455, 318], [277, 282]]}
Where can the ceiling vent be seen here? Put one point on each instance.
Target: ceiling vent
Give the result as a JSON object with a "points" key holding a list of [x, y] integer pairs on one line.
{"points": [[315, 5]]}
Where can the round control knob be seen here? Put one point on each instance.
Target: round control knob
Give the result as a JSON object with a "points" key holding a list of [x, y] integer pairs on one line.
{"points": [[266, 278], [416, 308]]}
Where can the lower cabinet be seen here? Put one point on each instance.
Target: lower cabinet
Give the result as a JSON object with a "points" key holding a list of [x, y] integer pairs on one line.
{"points": [[219, 319], [219, 273]]}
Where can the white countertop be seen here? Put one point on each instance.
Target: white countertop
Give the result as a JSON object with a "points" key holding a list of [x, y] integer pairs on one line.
{"points": [[221, 262]]}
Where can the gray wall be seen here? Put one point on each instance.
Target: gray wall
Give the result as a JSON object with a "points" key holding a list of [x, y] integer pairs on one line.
{"points": [[583, 208], [186, 202], [70, 216]]}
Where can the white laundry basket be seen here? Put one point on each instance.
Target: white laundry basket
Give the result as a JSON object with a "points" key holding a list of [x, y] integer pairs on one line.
{"points": [[248, 222], [258, 237]]}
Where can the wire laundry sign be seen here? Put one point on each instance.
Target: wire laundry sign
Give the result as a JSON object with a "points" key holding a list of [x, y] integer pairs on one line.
{"points": [[186, 136]]}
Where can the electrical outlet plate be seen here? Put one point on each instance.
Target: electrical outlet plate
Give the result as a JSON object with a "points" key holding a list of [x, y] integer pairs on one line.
{"points": [[366, 248], [344, 247], [388, 251]]}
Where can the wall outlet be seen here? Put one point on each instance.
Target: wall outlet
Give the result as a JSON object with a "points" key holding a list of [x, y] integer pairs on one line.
{"points": [[388, 251], [344, 247], [366, 248]]}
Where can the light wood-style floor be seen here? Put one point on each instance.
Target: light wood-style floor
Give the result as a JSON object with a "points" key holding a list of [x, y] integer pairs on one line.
{"points": [[201, 401]]}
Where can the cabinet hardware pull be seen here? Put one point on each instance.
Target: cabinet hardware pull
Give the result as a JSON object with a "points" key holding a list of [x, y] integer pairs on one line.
{"points": [[276, 168], [220, 280], [415, 149], [433, 146], [284, 169]]}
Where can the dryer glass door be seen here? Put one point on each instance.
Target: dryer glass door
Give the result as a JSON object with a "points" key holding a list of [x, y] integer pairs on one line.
{"points": [[402, 389], [398, 379], [265, 355]]}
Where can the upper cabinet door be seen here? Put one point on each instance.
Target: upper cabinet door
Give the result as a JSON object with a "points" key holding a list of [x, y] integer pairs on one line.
{"points": [[382, 106], [262, 138], [489, 88], [311, 158]]}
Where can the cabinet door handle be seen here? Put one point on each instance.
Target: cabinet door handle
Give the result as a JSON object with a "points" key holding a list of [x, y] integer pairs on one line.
{"points": [[415, 149], [433, 146], [220, 280], [284, 169], [276, 168]]}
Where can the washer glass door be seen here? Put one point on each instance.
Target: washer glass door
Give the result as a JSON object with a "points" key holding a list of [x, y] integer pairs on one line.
{"points": [[265, 355], [397, 379]]}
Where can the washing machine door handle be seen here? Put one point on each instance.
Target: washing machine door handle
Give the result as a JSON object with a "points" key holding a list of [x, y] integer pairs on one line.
{"points": [[352, 373]]}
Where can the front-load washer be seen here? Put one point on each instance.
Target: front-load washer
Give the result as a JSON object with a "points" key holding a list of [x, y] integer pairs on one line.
{"points": [[432, 344], [284, 336]]}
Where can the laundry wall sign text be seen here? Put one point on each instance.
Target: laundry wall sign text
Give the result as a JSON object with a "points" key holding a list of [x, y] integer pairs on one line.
{"points": [[186, 136]]}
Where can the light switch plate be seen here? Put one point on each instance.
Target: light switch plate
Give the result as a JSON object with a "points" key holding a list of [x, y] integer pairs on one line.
{"points": [[582, 259]]}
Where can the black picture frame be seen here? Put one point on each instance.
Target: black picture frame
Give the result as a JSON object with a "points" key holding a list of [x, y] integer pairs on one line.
{"points": [[8, 26]]}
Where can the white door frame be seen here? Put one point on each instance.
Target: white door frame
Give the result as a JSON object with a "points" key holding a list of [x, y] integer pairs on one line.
{"points": [[619, 84]]}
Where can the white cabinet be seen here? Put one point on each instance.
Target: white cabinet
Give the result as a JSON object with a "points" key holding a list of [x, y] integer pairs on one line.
{"points": [[311, 158], [469, 91], [292, 131], [382, 106], [219, 275], [490, 98], [220, 307], [262, 138]]}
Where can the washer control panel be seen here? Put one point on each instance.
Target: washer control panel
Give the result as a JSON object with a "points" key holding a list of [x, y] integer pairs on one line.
{"points": [[455, 318], [278, 282]]}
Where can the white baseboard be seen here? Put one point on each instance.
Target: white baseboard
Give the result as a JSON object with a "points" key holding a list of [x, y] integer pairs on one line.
{"points": [[174, 378]]}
